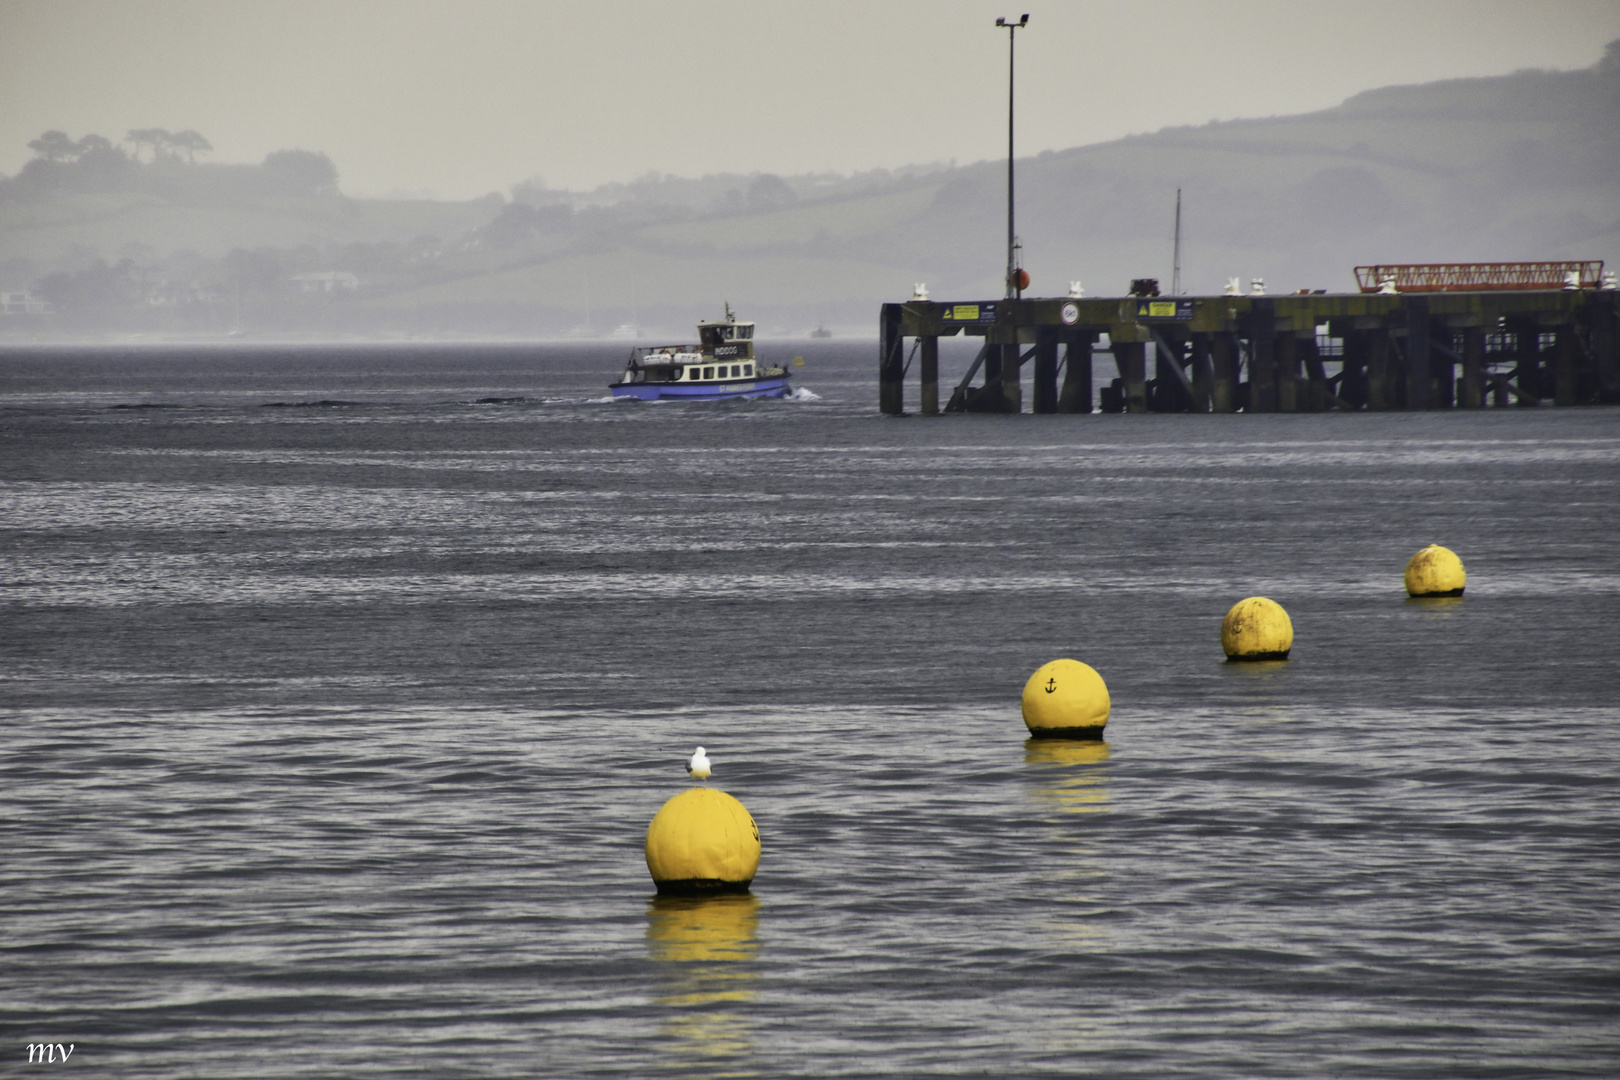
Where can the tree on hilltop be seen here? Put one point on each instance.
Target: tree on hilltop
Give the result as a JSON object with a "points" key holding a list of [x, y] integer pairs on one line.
{"points": [[92, 146], [55, 146], [191, 144], [87, 164], [770, 192], [301, 172], [521, 223], [168, 145], [156, 138]]}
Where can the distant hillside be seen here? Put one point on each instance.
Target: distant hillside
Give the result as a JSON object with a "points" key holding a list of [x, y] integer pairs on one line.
{"points": [[1522, 166], [1518, 166]]}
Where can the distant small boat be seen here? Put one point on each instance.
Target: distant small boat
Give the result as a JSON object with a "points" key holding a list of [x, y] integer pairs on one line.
{"points": [[625, 332], [821, 331], [720, 367]]}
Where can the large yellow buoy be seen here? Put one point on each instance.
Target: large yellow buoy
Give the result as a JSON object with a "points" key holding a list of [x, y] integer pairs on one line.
{"points": [[702, 841], [1066, 699], [1257, 629], [1435, 571]]}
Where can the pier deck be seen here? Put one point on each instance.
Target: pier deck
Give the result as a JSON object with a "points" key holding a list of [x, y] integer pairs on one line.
{"points": [[1259, 353]]}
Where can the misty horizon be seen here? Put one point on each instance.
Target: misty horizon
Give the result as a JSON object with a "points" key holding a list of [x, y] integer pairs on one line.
{"points": [[194, 230], [462, 100], [200, 148]]}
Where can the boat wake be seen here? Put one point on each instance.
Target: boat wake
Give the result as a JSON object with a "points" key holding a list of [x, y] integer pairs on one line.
{"points": [[801, 393]]}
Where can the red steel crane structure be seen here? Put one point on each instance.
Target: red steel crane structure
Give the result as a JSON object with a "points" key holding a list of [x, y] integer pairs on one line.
{"points": [[1479, 277]]}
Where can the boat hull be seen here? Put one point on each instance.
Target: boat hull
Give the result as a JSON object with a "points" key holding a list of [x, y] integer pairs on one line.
{"points": [[739, 389]]}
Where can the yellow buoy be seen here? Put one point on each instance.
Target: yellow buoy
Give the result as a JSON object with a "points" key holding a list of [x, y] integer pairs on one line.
{"points": [[1435, 571], [702, 841], [1066, 699], [1257, 629]]}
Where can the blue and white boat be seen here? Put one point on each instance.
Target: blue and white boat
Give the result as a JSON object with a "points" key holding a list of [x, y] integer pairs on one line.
{"points": [[720, 367]]}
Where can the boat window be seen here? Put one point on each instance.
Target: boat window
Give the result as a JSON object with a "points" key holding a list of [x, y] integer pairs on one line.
{"points": [[745, 333], [708, 373], [748, 369]]}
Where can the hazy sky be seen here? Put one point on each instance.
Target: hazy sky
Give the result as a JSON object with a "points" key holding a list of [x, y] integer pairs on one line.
{"points": [[463, 97]]}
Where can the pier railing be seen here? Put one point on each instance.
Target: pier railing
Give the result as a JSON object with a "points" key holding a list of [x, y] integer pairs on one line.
{"points": [[1477, 277]]}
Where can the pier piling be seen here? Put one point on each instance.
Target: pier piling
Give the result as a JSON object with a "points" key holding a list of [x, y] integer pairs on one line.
{"points": [[1076, 394], [1046, 367], [930, 375], [1489, 347]]}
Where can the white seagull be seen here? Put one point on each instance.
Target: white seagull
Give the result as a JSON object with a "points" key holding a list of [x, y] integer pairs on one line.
{"points": [[698, 765]]}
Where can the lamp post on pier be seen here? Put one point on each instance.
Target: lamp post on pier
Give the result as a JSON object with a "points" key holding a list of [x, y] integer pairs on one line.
{"points": [[1015, 284]]}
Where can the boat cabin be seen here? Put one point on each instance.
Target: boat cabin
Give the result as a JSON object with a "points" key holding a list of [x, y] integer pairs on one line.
{"points": [[725, 351], [728, 340], [685, 364], [720, 367]]}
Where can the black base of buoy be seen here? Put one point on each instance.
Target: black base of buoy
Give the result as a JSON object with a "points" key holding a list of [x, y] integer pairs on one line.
{"points": [[701, 887], [1436, 595], [1092, 733], [1251, 657]]}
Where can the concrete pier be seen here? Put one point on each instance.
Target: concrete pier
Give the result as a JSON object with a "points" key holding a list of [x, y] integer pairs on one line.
{"points": [[1257, 353]]}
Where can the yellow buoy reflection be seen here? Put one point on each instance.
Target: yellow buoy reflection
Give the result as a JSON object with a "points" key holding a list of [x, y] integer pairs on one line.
{"points": [[708, 929], [1071, 776], [1065, 751], [1074, 789], [704, 948], [1446, 606], [710, 1035], [1261, 671]]}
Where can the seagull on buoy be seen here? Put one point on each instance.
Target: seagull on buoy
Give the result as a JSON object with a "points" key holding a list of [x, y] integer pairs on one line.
{"points": [[698, 765]]}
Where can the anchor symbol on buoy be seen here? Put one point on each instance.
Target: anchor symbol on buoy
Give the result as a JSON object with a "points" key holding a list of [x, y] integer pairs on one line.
{"points": [[1051, 685]]}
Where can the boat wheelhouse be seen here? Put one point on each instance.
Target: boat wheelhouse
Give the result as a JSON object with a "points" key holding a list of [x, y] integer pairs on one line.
{"points": [[721, 366]]}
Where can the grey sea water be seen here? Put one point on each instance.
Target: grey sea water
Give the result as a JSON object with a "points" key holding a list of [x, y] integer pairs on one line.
{"points": [[338, 687]]}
